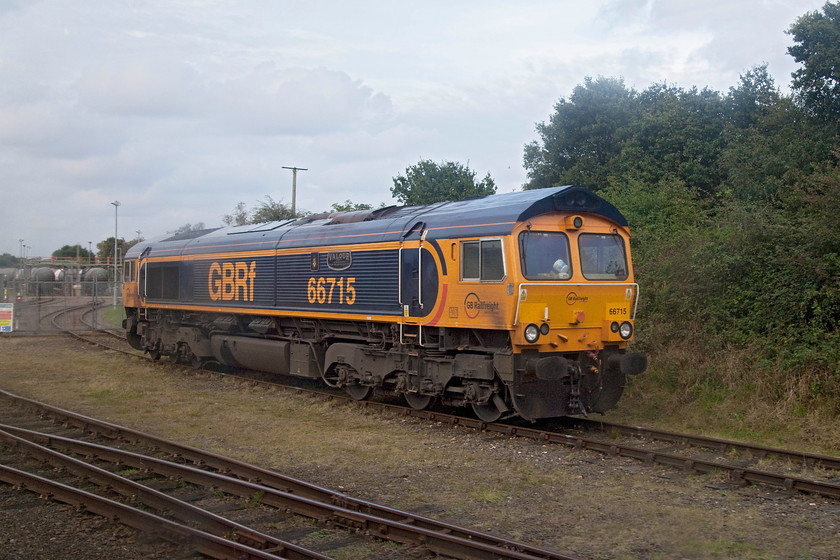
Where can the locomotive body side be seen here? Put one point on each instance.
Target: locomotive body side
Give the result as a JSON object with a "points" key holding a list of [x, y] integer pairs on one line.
{"points": [[460, 302]]}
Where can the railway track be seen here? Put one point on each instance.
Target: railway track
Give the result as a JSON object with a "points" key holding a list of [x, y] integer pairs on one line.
{"points": [[687, 452], [744, 462], [215, 536]]}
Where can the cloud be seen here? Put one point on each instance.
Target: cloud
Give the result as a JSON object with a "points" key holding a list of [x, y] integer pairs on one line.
{"points": [[266, 100], [148, 87], [271, 100], [181, 109], [51, 129]]}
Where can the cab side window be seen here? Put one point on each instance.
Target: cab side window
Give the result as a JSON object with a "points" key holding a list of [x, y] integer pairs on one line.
{"points": [[482, 260], [128, 271]]}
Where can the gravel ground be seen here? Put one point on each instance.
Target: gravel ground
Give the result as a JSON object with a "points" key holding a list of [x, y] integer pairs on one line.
{"points": [[33, 528], [579, 503]]}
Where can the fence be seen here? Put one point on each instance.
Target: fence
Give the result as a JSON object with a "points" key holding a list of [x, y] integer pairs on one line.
{"points": [[41, 307]]}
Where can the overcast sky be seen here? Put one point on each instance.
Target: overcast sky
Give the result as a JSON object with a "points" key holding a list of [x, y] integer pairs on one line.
{"points": [[179, 109]]}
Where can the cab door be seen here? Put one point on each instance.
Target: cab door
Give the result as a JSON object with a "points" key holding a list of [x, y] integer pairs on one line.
{"points": [[130, 294], [411, 262], [411, 265]]}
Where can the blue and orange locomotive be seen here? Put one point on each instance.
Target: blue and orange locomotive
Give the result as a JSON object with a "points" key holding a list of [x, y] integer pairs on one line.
{"points": [[513, 304]]}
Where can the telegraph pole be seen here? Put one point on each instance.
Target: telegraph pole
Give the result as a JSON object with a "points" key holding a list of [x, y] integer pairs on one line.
{"points": [[294, 185], [116, 204]]}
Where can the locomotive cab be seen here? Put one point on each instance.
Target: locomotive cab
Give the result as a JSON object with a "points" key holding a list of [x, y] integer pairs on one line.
{"points": [[575, 315]]}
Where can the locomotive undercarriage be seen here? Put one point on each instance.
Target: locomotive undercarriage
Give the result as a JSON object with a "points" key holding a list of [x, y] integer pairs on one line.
{"points": [[457, 367]]}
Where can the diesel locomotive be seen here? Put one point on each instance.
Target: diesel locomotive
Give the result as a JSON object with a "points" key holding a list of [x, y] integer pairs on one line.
{"points": [[514, 304]]}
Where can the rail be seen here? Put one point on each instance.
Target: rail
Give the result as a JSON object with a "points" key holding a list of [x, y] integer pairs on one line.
{"points": [[279, 491]]}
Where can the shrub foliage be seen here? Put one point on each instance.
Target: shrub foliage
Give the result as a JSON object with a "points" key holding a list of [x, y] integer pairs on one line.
{"points": [[734, 203]]}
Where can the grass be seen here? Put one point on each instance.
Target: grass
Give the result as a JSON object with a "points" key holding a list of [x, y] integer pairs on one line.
{"points": [[114, 315], [731, 396], [540, 493]]}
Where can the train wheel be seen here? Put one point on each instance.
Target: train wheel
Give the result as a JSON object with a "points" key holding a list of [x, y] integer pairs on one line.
{"points": [[417, 401], [358, 392], [487, 412]]}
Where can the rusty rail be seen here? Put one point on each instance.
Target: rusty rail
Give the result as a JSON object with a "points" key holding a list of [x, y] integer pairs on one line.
{"points": [[27, 441], [810, 460], [738, 474], [206, 543], [282, 492]]}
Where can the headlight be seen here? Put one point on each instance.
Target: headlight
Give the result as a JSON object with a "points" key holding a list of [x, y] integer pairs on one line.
{"points": [[614, 326], [532, 333], [625, 331], [544, 328]]}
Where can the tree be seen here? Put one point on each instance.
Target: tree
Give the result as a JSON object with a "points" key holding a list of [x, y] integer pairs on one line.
{"points": [[673, 133], [583, 136], [427, 182], [775, 152], [105, 248], [269, 210], [239, 217], [187, 228], [606, 133], [817, 47], [348, 206], [72, 251], [8, 260], [754, 96], [273, 211]]}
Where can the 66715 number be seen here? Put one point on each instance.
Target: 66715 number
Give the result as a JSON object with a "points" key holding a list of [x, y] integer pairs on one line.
{"points": [[322, 290]]}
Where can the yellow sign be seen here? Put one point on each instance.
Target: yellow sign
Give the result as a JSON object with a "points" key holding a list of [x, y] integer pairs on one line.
{"points": [[618, 310]]}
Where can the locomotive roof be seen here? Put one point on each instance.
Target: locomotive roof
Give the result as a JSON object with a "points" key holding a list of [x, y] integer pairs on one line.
{"points": [[488, 216]]}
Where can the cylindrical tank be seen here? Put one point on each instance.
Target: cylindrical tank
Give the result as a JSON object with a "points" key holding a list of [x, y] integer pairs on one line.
{"points": [[59, 275], [96, 274], [42, 274]]}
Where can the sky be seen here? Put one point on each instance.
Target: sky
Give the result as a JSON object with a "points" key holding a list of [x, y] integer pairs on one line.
{"points": [[180, 109]]}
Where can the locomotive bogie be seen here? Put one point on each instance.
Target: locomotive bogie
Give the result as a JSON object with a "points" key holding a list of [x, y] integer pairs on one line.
{"points": [[517, 304]]}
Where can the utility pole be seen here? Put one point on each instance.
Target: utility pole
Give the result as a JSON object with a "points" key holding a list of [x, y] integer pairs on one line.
{"points": [[294, 185], [116, 204]]}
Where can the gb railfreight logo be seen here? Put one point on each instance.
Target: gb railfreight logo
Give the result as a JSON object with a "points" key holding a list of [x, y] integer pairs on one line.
{"points": [[572, 298], [473, 305]]}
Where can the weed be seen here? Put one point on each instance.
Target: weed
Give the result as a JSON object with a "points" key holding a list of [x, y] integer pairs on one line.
{"points": [[256, 499], [320, 534], [492, 495]]}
